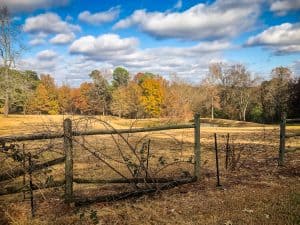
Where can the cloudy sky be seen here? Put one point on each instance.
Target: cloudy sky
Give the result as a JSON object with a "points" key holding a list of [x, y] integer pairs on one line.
{"points": [[70, 38]]}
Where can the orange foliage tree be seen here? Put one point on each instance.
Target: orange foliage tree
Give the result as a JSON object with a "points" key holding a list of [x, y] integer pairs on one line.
{"points": [[64, 99], [80, 98], [45, 98]]}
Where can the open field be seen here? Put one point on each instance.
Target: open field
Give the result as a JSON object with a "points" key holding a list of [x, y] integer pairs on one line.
{"points": [[255, 191]]}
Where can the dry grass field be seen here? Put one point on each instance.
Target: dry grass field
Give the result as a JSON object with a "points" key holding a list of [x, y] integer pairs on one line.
{"points": [[254, 191]]}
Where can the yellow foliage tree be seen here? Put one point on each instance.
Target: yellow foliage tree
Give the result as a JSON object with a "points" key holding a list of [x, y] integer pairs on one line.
{"points": [[152, 96], [126, 101]]}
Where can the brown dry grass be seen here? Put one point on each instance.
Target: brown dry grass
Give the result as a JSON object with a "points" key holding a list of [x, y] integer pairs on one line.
{"points": [[257, 192]]}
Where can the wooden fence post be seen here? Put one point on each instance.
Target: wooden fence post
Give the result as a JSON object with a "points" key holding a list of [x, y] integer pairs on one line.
{"points": [[217, 161], [227, 152], [68, 148], [197, 146], [24, 168], [30, 165], [282, 140]]}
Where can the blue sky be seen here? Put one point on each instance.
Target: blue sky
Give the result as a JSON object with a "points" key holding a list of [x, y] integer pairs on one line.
{"points": [[70, 38]]}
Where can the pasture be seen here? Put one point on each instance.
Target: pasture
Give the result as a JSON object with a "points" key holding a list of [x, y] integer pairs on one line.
{"points": [[254, 189]]}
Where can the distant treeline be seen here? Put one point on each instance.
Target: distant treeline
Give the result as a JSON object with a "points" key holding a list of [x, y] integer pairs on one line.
{"points": [[228, 91]]}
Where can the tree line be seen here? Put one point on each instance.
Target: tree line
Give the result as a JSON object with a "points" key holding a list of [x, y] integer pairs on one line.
{"points": [[227, 91]]}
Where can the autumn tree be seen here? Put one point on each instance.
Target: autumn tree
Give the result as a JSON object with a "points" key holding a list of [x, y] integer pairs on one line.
{"points": [[210, 87], [220, 76], [81, 98], [64, 99], [45, 99], [241, 86], [120, 101], [281, 76], [140, 77], [126, 101], [234, 89], [152, 96], [40, 102], [178, 100], [275, 94]]}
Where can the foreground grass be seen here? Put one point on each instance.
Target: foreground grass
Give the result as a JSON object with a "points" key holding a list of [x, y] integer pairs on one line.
{"points": [[199, 203], [257, 192]]}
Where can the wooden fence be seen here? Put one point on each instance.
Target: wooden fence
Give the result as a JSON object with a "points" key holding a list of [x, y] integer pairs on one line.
{"points": [[68, 135], [283, 136]]}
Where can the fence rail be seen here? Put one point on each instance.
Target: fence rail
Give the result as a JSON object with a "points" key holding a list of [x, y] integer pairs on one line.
{"points": [[58, 183], [46, 136], [21, 171], [68, 135], [293, 120]]}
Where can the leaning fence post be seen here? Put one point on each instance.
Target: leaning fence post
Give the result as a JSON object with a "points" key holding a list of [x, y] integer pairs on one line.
{"points": [[68, 148], [282, 140], [197, 146]]}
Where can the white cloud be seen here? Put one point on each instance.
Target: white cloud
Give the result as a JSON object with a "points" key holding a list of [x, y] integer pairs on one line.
{"points": [[178, 4], [69, 18], [46, 55], [37, 41], [48, 23], [99, 17], [31, 5], [281, 7], [60, 39], [296, 68], [282, 39], [219, 20], [103, 46], [110, 49]]}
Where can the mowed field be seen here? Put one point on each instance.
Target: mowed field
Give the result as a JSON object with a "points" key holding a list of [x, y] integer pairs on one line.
{"points": [[254, 191]]}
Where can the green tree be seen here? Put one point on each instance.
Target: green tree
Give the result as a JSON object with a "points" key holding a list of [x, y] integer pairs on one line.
{"points": [[294, 99], [9, 50], [120, 77], [21, 89]]}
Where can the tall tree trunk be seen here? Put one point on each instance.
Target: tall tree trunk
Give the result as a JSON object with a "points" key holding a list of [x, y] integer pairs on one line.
{"points": [[244, 114], [6, 103], [212, 108]]}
